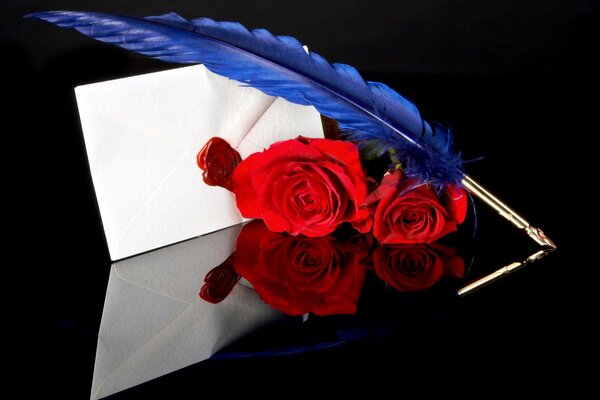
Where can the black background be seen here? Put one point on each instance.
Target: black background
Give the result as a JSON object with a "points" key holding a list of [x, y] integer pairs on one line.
{"points": [[516, 81]]}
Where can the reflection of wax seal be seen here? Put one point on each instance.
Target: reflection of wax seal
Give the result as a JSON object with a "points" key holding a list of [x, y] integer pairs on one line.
{"points": [[219, 282]]}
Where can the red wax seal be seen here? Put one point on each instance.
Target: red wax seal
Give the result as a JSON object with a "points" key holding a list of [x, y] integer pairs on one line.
{"points": [[218, 161]]}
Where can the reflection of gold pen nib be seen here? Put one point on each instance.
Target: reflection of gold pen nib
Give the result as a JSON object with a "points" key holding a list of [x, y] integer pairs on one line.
{"points": [[504, 210], [494, 276]]}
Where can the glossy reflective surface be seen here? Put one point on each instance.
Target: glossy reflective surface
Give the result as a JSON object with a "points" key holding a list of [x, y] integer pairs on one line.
{"points": [[217, 294]]}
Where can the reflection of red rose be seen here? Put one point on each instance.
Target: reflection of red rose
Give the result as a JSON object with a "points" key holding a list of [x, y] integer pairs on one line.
{"points": [[304, 186], [408, 215], [298, 274], [218, 160], [414, 268]]}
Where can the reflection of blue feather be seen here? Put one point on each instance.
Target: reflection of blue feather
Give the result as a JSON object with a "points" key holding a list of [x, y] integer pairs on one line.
{"points": [[296, 338], [369, 113]]}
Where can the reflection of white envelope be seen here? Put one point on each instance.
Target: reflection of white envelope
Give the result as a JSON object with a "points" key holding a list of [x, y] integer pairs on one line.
{"points": [[142, 135], [153, 321]]}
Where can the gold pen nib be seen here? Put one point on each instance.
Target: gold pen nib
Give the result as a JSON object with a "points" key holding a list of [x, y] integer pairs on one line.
{"points": [[540, 237], [507, 212]]}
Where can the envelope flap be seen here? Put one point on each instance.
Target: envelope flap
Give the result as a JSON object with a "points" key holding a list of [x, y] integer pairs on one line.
{"points": [[276, 124]]}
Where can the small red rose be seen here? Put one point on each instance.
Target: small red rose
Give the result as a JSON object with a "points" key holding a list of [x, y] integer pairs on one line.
{"points": [[412, 268], [407, 213], [218, 160], [304, 186], [298, 274]]}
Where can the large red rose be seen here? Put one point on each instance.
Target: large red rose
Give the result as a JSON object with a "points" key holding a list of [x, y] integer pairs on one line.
{"points": [[414, 268], [407, 213], [304, 186], [298, 274]]}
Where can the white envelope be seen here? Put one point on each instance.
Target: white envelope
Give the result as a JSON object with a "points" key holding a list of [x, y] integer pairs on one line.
{"points": [[142, 135], [153, 321]]}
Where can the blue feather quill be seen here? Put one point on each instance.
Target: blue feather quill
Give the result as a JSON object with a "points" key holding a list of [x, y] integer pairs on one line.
{"points": [[370, 114]]}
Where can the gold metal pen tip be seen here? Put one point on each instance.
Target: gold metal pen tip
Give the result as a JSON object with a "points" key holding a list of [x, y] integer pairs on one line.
{"points": [[540, 237]]}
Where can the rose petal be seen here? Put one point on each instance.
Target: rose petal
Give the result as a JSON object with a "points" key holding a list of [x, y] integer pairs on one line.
{"points": [[454, 266], [363, 222], [456, 203], [242, 187]]}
